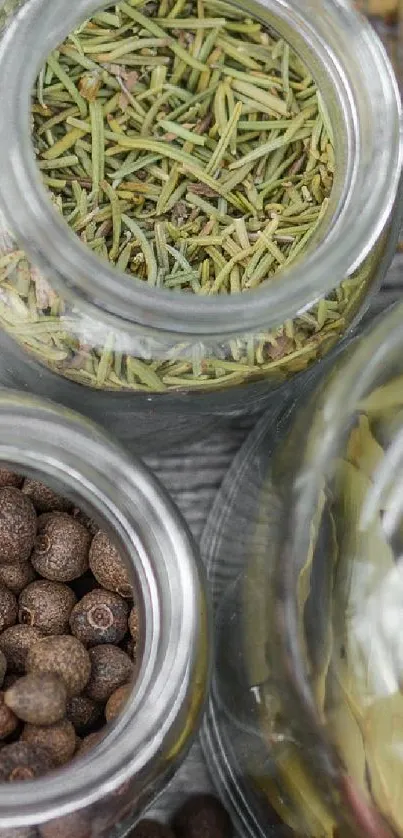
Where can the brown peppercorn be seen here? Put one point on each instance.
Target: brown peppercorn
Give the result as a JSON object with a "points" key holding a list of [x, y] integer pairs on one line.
{"points": [[110, 668], [85, 520], [202, 815], [61, 548], [117, 701], [16, 577], [8, 608], [21, 761], [108, 566], [151, 829], [59, 740], [8, 719], [44, 498], [62, 655], [99, 617], [15, 642], [76, 825], [83, 713], [17, 526], [3, 669], [47, 605], [89, 742], [38, 699], [10, 478]]}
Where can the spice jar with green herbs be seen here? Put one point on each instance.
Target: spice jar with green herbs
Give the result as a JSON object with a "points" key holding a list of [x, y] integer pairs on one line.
{"points": [[198, 198], [98, 658], [307, 711]]}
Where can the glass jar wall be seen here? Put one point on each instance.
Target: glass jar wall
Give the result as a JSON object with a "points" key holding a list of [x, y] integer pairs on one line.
{"points": [[304, 551], [105, 788], [120, 348]]}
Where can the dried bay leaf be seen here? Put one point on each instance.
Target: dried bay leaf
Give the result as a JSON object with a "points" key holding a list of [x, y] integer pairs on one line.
{"points": [[313, 816], [345, 732], [388, 396], [363, 450], [383, 736]]}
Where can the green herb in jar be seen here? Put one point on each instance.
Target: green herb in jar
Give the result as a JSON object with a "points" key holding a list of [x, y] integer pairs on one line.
{"points": [[188, 145]]}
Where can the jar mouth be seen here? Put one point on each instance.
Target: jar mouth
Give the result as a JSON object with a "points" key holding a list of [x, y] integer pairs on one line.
{"points": [[368, 106], [42, 440]]}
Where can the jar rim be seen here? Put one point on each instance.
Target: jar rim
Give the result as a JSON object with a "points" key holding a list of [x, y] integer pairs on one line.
{"points": [[49, 242], [51, 442]]}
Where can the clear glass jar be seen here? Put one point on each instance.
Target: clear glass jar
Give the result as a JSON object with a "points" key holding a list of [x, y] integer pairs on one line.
{"points": [[106, 788], [304, 549], [123, 351]]}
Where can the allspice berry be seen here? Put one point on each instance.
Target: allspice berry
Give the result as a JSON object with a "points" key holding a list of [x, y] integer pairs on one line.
{"points": [[16, 577], [15, 643], [151, 829], [202, 815], [110, 669], [99, 617], [85, 520], [38, 699], [44, 498], [10, 478], [21, 761], [59, 740], [76, 825], [61, 548], [3, 667], [89, 742], [47, 605], [83, 713], [8, 608], [134, 623], [8, 719], [17, 526], [62, 655], [108, 566], [117, 701]]}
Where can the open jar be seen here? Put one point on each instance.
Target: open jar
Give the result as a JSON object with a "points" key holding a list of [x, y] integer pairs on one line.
{"points": [[102, 789], [305, 722], [119, 346]]}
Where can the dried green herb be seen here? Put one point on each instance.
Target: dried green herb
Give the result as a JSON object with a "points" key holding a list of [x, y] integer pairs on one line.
{"points": [[190, 147]]}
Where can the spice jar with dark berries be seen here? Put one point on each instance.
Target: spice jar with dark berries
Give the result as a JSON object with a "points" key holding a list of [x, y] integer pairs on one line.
{"points": [[104, 646]]}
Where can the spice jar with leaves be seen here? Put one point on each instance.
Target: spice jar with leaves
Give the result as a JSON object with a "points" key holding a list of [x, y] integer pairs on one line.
{"points": [[198, 198], [103, 628], [307, 708]]}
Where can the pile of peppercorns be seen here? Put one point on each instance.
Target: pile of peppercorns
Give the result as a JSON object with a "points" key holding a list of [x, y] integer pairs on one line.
{"points": [[201, 816], [69, 630]]}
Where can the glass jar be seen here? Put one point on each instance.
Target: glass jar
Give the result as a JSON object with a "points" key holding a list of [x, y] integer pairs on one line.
{"points": [[122, 351], [102, 792], [304, 549]]}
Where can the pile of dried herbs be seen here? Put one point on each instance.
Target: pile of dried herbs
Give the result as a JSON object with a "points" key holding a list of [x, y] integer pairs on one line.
{"points": [[189, 146], [355, 661]]}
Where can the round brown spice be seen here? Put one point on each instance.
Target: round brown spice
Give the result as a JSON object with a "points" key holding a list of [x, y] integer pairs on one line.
{"points": [[8, 720], [83, 713], [59, 740], [76, 825], [117, 702], [10, 478], [8, 608], [151, 829], [134, 623], [16, 577], [62, 655], [21, 761], [90, 742], [47, 605], [61, 548], [15, 643], [202, 815], [100, 617], [17, 526], [44, 498], [110, 669], [38, 699], [85, 520], [108, 566]]}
